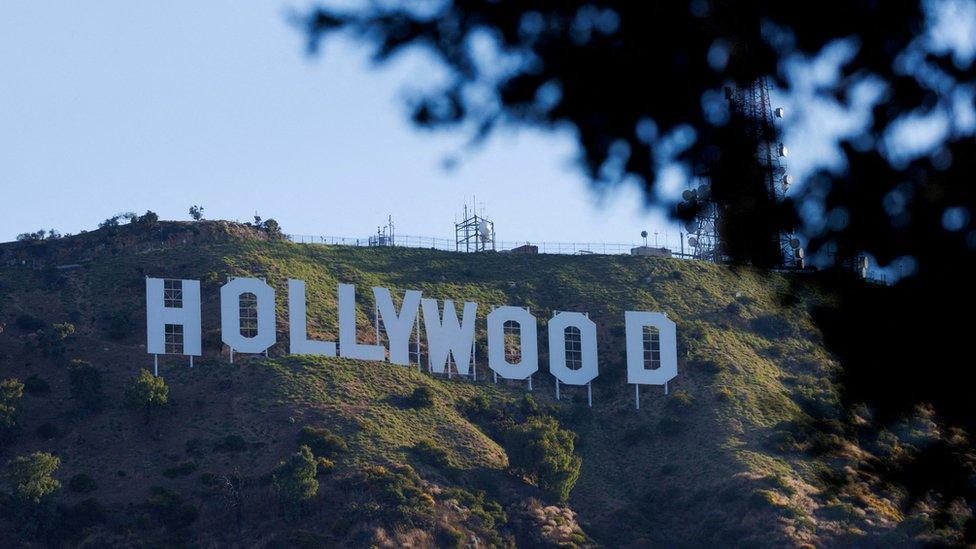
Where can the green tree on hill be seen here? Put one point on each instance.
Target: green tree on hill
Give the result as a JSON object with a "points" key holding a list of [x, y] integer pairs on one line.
{"points": [[86, 385], [31, 483], [294, 481], [273, 229], [149, 220], [543, 452], [322, 442], [51, 339], [10, 392], [422, 397], [147, 393]]}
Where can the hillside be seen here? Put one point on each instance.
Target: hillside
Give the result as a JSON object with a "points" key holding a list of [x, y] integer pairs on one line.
{"points": [[749, 448]]}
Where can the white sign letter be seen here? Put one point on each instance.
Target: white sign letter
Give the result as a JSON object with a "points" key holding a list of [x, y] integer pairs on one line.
{"points": [[528, 343], [588, 367], [449, 336], [398, 327], [297, 325], [653, 334], [264, 310], [177, 303], [348, 346]]}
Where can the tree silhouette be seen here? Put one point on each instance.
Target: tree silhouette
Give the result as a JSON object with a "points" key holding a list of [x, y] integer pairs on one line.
{"points": [[641, 86]]}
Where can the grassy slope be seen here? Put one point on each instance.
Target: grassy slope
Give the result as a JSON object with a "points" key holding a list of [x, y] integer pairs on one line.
{"points": [[694, 467]]}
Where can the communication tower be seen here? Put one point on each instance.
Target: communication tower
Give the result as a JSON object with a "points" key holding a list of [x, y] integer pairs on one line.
{"points": [[753, 103], [474, 233], [703, 230]]}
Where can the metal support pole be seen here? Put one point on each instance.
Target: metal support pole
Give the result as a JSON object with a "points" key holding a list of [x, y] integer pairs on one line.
{"points": [[156, 365], [191, 361], [665, 387], [376, 321], [520, 345], [589, 394], [419, 367], [557, 388], [494, 375], [231, 354], [637, 395]]}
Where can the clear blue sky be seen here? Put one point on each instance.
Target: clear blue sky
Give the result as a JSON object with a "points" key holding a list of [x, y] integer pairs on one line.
{"points": [[114, 106], [118, 106]]}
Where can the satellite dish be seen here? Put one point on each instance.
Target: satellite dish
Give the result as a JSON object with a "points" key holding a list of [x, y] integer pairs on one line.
{"points": [[704, 191], [780, 112], [783, 151], [688, 195], [691, 226], [643, 234], [795, 243], [787, 181], [693, 242]]}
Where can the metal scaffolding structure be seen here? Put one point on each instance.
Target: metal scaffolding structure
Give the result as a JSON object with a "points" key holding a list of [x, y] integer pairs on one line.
{"points": [[385, 236], [474, 233]]}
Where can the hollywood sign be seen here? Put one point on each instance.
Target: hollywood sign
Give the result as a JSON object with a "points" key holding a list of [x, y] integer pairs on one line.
{"points": [[173, 326]]}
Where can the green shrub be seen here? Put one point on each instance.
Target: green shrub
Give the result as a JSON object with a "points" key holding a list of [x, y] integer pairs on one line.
{"points": [[35, 385], [11, 391], [169, 508], [637, 434], [324, 465], [322, 442], [432, 453], [529, 406], [29, 504], [450, 537], [273, 229], [181, 470], [148, 220], [541, 451], [399, 490], [231, 443], [671, 425], [86, 385], [679, 402], [294, 481], [82, 483], [76, 518], [477, 406], [51, 339], [147, 393], [30, 478], [488, 515], [422, 397], [209, 480], [676, 407]]}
